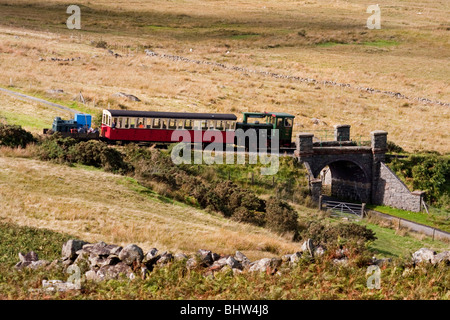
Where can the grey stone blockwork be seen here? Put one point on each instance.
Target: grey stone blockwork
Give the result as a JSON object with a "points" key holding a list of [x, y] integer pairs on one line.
{"points": [[393, 192]]}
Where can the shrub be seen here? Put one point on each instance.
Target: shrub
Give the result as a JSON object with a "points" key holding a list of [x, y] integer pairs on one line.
{"points": [[98, 154], [394, 148], [333, 234], [242, 214], [281, 217], [14, 136], [55, 147], [428, 172]]}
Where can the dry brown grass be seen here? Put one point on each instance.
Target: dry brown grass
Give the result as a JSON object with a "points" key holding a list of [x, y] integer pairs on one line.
{"points": [[98, 206], [408, 55]]}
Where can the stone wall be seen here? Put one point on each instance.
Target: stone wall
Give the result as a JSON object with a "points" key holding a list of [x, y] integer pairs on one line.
{"points": [[391, 191]]}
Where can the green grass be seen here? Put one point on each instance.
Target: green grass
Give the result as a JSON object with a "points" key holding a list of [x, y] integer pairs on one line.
{"points": [[25, 120], [14, 239], [390, 244], [440, 221]]}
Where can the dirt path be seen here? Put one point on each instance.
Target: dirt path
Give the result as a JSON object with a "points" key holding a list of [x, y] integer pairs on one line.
{"points": [[27, 97]]}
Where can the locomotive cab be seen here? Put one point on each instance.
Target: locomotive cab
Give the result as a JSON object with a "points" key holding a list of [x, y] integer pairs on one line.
{"points": [[265, 121]]}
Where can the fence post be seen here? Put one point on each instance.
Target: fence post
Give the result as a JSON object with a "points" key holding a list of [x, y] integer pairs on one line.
{"points": [[320, 202], [363, 208]]}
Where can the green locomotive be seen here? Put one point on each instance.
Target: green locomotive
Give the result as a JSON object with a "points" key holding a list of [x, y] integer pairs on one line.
{"points": [[263, 122]]}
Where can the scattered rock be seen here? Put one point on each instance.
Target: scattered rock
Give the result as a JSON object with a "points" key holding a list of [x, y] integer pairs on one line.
{"points": [[128, 96], [55, 91], [267, 265], [180, 256], [443, 256], [115, 271], [70, 248], [342, 261], [295, 257], [101, 249], [151, 258], [31, 260], [430, 256], [308, 247], [380, 262], [423, 255], [165, 258], [130, 254], [58, 285], [239, 256]]}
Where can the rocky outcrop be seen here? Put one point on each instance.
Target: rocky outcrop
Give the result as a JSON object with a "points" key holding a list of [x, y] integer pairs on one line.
{"points": [[100, 261], [425, 255]]}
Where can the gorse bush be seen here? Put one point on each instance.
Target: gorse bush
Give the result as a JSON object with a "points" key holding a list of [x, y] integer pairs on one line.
{"points": [[427, 172], [14, 136], [98, 154], [91, 153], [281, 217], [332, 234], [56, 148]]}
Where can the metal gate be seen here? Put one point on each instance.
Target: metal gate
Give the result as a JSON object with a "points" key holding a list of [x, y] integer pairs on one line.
{"points": [[340, 207]]}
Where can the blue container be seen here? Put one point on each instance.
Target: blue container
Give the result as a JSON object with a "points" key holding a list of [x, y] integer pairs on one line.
{"points": [[83, 119]]}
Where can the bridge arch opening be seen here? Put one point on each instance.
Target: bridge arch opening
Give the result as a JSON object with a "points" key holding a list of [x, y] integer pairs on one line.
{"points": [[345, 180]]}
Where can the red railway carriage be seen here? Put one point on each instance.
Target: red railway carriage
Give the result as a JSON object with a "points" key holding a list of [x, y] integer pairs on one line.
{"points": [[154, 126]]}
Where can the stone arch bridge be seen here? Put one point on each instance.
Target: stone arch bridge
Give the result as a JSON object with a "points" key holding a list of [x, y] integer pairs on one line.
{"points": [[356, 173]]}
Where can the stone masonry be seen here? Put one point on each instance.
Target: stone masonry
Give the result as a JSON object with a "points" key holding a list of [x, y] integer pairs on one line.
{"points": [[358, 173]]}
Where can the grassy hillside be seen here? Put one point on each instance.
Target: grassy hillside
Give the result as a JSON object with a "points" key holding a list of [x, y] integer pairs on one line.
{"points": [[309, 39]]}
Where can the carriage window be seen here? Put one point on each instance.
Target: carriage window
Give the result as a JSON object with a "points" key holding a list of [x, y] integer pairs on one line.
{"points": [[114, 123], [180, 124], [132, 122], [164, 123], [148, 123], [204, 124], [140, 123], [219, 125], [119, 123], [197, 124], [172, 124], [210, 124], [188, 124], [156, 123], [127, 122]]}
